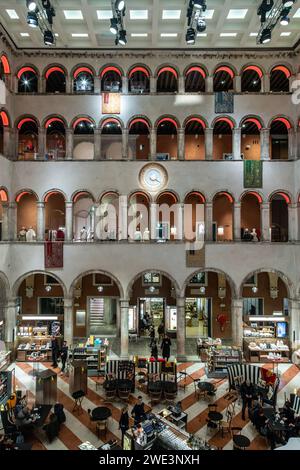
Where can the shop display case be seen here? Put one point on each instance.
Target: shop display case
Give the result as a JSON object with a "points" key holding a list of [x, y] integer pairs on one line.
{"points": [[219, 358], [5, 386], [95, 355], [5, 358]]}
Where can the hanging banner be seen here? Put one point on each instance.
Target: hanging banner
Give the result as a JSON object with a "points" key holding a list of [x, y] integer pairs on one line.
{"points": [[224, 102], [54, 254], [111, 103], [253, 174]]}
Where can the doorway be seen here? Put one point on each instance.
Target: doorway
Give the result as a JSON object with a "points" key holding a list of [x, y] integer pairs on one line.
{"points": [[151, 311], [102, 314], [198, 317]]}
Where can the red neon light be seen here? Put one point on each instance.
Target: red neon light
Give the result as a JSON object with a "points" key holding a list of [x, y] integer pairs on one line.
{"points": [[139, 193], [110, 68], [225, 119], [285, 197], [168, 69], [139, 69], [224, 68], [25, 69], [6, 66], [255, 68], [253, 193], [194, 193], [110, 121], [53, 120], [3, 195], [143, 121], [79, 120], [54, 69], [167, 120], [255, 121], [283, 69], [110, 193], [229, 197], [194, 119], [24, 193], [197, 69], [5, 119], [82, 69], [285, 121], [52, 193], [23, 121], [167, 194], [82, 193]]}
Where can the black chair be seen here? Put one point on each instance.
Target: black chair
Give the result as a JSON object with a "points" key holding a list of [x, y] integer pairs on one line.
{"points": [[8, 427], [78, 398], [52, 428], [59, 413]]}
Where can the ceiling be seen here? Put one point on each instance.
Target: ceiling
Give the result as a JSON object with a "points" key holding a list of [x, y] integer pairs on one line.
{"points": [[99, 36]]}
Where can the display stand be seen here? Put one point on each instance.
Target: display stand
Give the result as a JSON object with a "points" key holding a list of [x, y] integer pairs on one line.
{"points": [[219, 359], [46, 387], [95, 357], [78, 376]]}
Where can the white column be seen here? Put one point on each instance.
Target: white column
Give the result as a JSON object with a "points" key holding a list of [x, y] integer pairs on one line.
{"points": [[5, 221], [293, 222], [97, 144], [181, 144], [69, 85], [12, 215], [236, 143], [68, 320], [153, 143], [237, 221], [292, 144], [265, 144], [124, 306], [265, 221], [209, 142], [153, 220], [181, 87], [180, 222], [69, 221], [40, 221], [124, 85], [209, 86], [123, 218], [125, 133], [42, 143], [237, 84], [294, 326], [208, 221], [266, 83], [69, 143], [10, 321], [298, 143], [180, 332], [237, 322], [153, 81]]}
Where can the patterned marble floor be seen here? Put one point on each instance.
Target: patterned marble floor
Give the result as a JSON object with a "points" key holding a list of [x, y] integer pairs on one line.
{"points": [[78, 428]]}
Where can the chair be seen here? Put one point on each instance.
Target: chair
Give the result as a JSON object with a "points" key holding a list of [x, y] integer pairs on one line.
{"points": [[212, 407], [225, 426], [101, 426], [124, 394], [170, 396], [235, 431], [201, 394], [78, 398], [110, 394], [155, 397]]}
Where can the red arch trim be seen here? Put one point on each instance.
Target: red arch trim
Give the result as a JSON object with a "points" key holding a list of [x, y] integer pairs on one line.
{"points": [[200, 121], [283, 69], [139, 69], [195, 193], [255, 121], [140, 193], [5, 63], [3, 196], [23, 193], [253, 193], [143, 121], [82, 69], [79, 120], [23, 121], [81, 193], [167, 193], [229, 197], [227, 120], [54, 69], [255, 68], [197, 69], [110, 121], [51, 194], [168, 69], [25, 69], [110, 68], [109, 193], [168, 120], [224, 68], [53, 120], [285, 121], [285, 197], [5, 118]]}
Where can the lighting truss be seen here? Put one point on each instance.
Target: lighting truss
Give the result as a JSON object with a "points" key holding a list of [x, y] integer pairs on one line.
{"points": [[271, 12], [44, 14], [195, 19], [117, 24]]}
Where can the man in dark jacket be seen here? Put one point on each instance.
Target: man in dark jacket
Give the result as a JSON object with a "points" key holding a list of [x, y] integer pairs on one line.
{"points": [[166, 347], [138, 411], [64, 355], [54, 350], [247, 394]]}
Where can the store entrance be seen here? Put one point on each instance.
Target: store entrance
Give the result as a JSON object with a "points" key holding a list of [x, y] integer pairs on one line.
{"points": [[151, 312], [198, 317], [102, 312]]}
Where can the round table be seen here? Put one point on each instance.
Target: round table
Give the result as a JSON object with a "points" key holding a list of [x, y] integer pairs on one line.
{"points": [[124, 384], [215, 416], [155, 386], [241, 441], [206, 387], [170, 387], [101, 413], [110, 384]]}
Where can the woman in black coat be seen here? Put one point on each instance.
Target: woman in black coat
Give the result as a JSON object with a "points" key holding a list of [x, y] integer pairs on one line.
{"points": [[124, 422], [166, 347]]}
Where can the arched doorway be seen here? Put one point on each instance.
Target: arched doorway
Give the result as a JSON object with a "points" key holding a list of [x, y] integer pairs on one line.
{"points": [[111, 139], [83, 215], [250, 141], [55, 80], [168, 217], [194, 216], [279, 79], [223, 217], [83, 139], [223, 78], [139, 80], [167, 139], [279, 139], [195, 80], [55, 216], [250, 213], [279, 216], [28, 147], [139, 217], [167, 80], [251, 79], [139, 139], [222, 139], [55, 139], [83, 80], [109, 217], [194, 139], [111, 79], [26, 216], [27, 80]]}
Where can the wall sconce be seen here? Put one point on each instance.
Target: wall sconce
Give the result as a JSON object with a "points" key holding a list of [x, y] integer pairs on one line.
{"points": [[48, 288], [202, 290], [221, 231], [254, 289], [100, 288]]}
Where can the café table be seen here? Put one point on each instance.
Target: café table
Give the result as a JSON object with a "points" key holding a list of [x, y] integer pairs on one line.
{"points": [[170, 387], [124, 384], [215, 416], [206, 387], [101, 413], [241, 441], [43, 412]]}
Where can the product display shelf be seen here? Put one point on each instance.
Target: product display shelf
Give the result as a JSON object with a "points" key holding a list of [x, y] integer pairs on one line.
{"points": [[94, 356], [39, 346], [220, 358], [5, 358], [255, 353]]}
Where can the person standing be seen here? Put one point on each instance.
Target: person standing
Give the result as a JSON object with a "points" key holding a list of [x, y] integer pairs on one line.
{"points": [[161, 330], [124, 422], [166, 347], [54, 350], [138, 411], [247, 394], [64, 355], [154, 350]]}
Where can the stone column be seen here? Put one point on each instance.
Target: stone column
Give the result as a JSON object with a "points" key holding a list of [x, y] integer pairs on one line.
{"points": [[97, 144], [209, 86], [42, 143], [266, 83], [181, 85], [293, 222], [7, 139], [265, 144], [237, 221], [97, 85], [41, 85], [12, 215], [209, 143], [298, 143], [265, 221], [292, 144], [69, 85], [180, 333], [5, 221], [153, 220], [124, 85], [10, 322], [68, 320], [153, 143], [208, 221], [124, 306], [180, 222], [123, 218], [40, 207], [153, 81], [69, 221], [236, 143], [69, 143], [237, 84], [237, 322], [125, 144], [181, 144], [294, 326]]}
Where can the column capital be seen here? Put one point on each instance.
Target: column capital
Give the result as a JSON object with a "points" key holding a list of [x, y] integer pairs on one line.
{"points": [[180, 302], [124, 303], [69, 204], [265, 205], [68, 302], [40, 204], [237, 204]]}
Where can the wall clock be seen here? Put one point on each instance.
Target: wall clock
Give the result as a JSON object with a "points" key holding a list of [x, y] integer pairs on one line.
{"points": [[153, 177]]}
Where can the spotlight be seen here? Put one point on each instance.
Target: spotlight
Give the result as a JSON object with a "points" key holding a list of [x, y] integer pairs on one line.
{"points": [[31, 5], [113, 26], [120, 5], [201, 25], [265, 36], [122, 37], [32, 19], [190, 36], [48, 38], [284, 21], [288, 3]]}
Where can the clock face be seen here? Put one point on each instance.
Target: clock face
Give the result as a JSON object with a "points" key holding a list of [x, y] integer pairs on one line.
{"points": [[153, 177]]}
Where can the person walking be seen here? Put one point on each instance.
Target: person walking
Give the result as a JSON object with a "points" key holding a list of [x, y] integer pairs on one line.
{"points": [[247, 394], [154, 350], [124, 422], [54, 350], [166, 347], [138, 411], [161, 331], [64, 355]]}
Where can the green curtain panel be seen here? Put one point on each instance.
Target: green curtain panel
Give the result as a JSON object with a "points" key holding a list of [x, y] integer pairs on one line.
{"points": [[253, 174]]}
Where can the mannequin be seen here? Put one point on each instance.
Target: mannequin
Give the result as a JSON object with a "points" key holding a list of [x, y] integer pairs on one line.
{"points": [[254, 235], [30, 235], [22, 235], [146, 236], [83, 234]]}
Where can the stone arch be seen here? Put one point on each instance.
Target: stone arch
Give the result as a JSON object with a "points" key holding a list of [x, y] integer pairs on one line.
{"points": [[232, 284], [289, 284], [19, 281], [97, 271], [163, 273]]}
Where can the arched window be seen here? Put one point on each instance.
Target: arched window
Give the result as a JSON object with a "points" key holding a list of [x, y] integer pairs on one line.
{"points": [[222, 139], [83, 139], [55, 138], [223, 78], [28, 139], [83, 80], [279, 217], [111, 79], [279, 79], [250, 141], [250, 214], [139, 217], [167, 80], [167, 139], [55, 214], [139, 139], [251, 79], [109, 216], [83, 217], [195, 80], [168, 223], [194, 139], [27, 80], [26, 215], [55, 80], [223, 217], [111, 139], [194, 216], [139, 80], [280, 139]]}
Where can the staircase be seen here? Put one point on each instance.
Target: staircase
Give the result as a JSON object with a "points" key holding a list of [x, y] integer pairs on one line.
{"points": [[96, 310]]}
